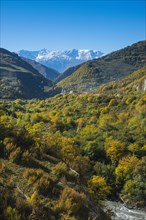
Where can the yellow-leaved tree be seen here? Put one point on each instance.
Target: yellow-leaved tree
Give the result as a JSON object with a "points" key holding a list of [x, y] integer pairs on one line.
{"points": [[114, 149], [125, 167], [98, 188]]}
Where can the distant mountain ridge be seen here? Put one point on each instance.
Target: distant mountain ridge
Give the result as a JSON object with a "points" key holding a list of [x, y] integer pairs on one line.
{"points": [[114, 66], [60, 60]]}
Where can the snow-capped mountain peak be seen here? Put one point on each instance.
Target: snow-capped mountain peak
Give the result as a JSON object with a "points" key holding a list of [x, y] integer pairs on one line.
{"points": [[59, 59]]}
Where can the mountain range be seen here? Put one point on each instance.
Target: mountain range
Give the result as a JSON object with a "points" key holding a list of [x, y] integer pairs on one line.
{"points": [[114, 66], [25, 78], [60, 60]]}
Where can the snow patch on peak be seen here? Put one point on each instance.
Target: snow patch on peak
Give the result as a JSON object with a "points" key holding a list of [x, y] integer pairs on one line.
{"points": [[59, 59]]}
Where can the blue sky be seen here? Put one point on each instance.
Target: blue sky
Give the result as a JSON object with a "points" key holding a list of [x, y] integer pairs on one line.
{"points": [[100, 25]]}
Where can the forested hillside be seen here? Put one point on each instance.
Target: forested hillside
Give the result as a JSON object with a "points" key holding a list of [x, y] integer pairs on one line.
{"points": [[114, 66], [61, 156]]}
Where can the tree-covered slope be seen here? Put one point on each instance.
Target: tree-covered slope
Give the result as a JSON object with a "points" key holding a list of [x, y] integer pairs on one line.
{"points": [[111, 67], [47, 72], [67, 73], [61, 156], [18, 79], [133, 82]]}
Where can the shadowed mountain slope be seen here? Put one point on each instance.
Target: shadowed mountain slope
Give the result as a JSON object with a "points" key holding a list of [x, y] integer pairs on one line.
{"points": [[47, 72], [20, 80]]}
